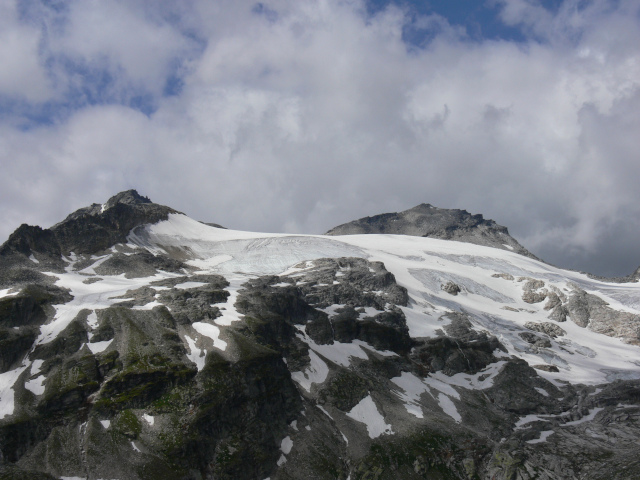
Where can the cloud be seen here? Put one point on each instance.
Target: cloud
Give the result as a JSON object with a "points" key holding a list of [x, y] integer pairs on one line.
{"points": [[298, 116], [21, 75]]}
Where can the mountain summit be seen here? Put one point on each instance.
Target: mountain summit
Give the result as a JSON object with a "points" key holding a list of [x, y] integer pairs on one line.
{"points": [[139, 344], [425, 220], [89, 229]]}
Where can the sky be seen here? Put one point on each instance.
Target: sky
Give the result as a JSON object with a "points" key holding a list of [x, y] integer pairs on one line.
{"points": [[297, 116]]}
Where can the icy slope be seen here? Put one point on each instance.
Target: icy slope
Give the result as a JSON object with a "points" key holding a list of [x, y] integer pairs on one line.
{"points": [[423, 266]]}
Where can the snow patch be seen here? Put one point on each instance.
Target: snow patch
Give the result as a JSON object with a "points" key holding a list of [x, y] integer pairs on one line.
{"points": [[210, 331], [5, 292], [449, 407], [7, 380], [541, 391], [105, 423], [324, 411], [286, 445], [90, 270], [186, 285], [412, 388], [366, 412], [36, 386], [229, 312], [92, 320], [196, 355], [148, 418], [316, 372], [148, 306], [543, 437], [36, 366], [99, 347]]}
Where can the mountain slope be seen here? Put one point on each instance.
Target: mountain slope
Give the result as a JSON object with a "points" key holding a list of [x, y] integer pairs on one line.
{"points": [[188, 351], [426, 220], [90, 229]]}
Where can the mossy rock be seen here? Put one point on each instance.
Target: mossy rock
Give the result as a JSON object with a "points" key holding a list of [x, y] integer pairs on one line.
{"points": [[31, 305], [10, 472], [66, 343], [14, 345], [344, 390], [136, 388], [67, 388], [424, 454], [127, 423]]}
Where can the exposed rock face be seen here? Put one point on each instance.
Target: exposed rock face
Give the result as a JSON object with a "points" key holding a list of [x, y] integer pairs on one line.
{"points": [[451, 288], [428, 221], [127, 363], [591, 311], [90, 229], [463, 350], [548, 328]]}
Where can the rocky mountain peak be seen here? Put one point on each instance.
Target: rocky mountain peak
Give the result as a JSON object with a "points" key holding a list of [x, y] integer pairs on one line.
{"points": [[425, 220], [89, 229], [128, 197]]}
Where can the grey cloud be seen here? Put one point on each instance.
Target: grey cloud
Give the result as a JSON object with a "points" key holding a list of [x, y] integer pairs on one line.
{"points": [[319, 115]]}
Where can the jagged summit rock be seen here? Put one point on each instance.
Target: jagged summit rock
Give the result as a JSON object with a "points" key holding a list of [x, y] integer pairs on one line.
{"points": [[425, 220], [89, 229], [128, 197]]}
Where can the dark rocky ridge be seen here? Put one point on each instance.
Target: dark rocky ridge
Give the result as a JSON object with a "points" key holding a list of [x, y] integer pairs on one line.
{"points": [[426, 220], [88, 230]]}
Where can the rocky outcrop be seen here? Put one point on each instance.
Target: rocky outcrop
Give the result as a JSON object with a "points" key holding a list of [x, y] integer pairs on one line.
{"points": [[428, 221], [451, 288], [590, 311], [88, 230], [461, 350], [547, 328]]}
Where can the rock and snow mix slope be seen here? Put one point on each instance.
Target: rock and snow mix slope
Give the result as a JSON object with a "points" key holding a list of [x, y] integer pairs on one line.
{"points": [[415, 345], [493, 283]]}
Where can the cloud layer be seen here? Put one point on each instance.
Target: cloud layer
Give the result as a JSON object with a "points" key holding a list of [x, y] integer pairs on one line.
{"points": [[298, 116]]}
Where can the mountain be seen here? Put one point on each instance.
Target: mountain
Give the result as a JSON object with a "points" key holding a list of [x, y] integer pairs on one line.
{"points": [[137, 343], [428, 221]]}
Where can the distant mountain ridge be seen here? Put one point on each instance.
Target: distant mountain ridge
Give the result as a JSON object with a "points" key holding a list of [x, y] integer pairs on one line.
{"points": [[425, 220]]}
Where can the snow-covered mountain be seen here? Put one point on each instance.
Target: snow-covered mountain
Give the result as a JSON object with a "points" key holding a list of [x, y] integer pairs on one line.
{"points": [[138, 343]]}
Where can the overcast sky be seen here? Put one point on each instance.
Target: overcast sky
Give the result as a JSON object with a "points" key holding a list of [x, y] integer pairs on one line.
{"points": [[297, 116]]}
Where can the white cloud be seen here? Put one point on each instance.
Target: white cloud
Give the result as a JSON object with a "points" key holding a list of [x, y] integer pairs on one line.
{"points": [[21, 72], [307, 114], [119, 37]]}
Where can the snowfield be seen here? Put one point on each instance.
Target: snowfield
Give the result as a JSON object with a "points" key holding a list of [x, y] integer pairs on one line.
{"points": [[421, 265]]}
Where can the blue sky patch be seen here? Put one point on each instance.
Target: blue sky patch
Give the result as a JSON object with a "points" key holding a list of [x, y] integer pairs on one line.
{"points": [[480, 20]]}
